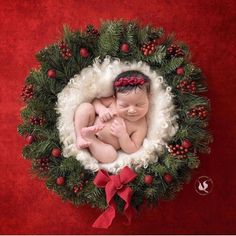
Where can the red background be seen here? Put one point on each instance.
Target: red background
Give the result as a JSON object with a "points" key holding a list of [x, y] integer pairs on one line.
{"points": [[27, 207]]}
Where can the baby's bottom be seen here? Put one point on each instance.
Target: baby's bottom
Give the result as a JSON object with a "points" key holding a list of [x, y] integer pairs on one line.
{"points": [[85, 134]]}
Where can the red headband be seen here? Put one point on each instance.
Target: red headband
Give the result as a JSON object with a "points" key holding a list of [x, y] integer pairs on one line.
{"points": [[129, 81]]}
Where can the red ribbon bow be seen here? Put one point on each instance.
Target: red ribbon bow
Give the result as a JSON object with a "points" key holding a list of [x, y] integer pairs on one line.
{"points": [[115, 184]]}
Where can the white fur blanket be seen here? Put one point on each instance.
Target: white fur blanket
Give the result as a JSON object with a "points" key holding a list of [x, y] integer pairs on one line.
{"points": [[96, 81]]}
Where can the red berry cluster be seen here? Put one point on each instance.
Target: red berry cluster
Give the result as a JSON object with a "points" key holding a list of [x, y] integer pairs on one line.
{"points": [[37, 120], [65, 50], [178, 151], [186, 86], [175, 51], [79, 187], [42, 164], [92, 32], [199, 112], [27, 92], [148, 48]]}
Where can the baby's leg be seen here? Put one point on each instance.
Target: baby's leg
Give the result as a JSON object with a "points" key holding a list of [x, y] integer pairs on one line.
{"points": [[104, 153], [84, 117]]}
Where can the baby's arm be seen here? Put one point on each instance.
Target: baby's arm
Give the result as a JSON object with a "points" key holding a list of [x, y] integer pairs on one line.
{"points": [[133, 143], [128, 144], [101, 107]]}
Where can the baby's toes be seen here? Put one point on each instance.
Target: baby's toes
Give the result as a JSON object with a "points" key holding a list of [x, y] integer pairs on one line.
{"points": [[96, 128], [85, 145], [81, 143], [100, 127]]}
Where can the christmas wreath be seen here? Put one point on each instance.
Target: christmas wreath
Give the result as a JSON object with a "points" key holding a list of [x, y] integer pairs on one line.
{"points": [[82, 66]]}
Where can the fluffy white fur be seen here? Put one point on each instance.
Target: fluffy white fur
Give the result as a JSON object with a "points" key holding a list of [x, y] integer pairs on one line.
{"points": [[95, 82]]}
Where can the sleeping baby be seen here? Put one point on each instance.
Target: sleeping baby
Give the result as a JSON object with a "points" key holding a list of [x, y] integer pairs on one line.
{"points": [[117, 122]]}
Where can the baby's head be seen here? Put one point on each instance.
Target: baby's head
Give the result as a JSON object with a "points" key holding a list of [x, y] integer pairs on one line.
{"points": [[132, 90]]}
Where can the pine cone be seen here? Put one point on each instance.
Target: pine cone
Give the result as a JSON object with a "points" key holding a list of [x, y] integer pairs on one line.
{"points": [[175, 51], [149, 48], [65, 51], [27, 92]]}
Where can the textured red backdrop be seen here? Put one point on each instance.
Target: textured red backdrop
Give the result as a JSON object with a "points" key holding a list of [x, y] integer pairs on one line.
{"points": [[27, 207]]}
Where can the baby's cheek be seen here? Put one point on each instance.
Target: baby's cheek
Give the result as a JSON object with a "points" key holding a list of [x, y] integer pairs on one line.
{"points": [[122, 115], [120, 112], [144, 110]]}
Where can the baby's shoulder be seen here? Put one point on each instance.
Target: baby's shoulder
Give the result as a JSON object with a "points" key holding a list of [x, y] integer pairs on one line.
{"points": [[140, 128], [107, 101], [140, 124], [143, 123]]}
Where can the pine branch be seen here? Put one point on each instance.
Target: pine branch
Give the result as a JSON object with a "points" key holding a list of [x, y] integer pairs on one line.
{"points": [[110, 37], [157, 58], [172, 65]]}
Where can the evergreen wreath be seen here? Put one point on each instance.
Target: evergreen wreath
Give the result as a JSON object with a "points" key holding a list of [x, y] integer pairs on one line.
{"points": [[124, 42]]}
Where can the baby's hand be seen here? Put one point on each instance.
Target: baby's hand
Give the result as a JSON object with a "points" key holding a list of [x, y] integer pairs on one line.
{"points": [[106, 114], [118, 127]]}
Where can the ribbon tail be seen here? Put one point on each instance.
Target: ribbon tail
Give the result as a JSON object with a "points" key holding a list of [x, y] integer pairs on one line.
{"points": [[106, 218], [130, 212]]}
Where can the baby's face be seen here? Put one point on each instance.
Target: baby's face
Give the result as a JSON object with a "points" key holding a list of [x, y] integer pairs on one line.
{"points": [[132, 105]]}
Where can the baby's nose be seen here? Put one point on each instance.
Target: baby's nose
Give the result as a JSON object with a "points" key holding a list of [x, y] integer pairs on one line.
{"points": [[131, 110]]}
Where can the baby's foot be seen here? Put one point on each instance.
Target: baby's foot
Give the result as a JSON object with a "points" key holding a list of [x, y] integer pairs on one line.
{"points": [[89, 132], [82, 143]]}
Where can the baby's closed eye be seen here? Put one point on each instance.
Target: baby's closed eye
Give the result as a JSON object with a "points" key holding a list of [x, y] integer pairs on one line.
{"points": [[123, 105], [137, 105], [140, 104]]}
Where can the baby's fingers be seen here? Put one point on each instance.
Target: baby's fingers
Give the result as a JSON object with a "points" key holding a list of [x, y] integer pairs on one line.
{"points": [[108, 116], [113, 113], [103, 118], [112, 131], [116, 122]]}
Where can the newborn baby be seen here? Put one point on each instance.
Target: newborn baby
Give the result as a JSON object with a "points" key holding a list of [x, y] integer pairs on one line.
{"points": [[116, 122]]}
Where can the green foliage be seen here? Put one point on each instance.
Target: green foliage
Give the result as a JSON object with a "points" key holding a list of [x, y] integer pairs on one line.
{"points": [[147, 33], [39, 149], [110, 38], [172, 65], [131, 35], [158, 57], [151, 194], [112, 35]]}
